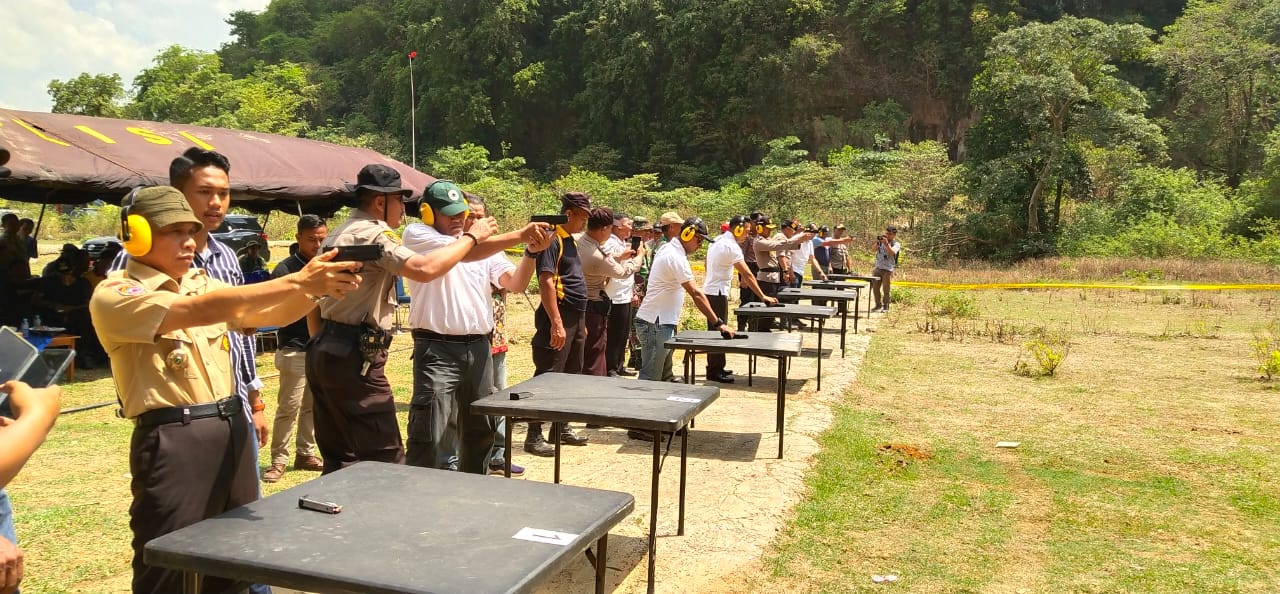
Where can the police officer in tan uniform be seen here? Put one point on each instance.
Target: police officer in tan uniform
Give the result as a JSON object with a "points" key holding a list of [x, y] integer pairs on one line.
{"points": [[355, 414], [165, 326]]}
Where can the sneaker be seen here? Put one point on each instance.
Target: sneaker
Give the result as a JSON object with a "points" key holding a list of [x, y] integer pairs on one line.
{"points": [[624, 372], [568, 437], [273, 474], [308, 463], [497, 468], [540, 448]]}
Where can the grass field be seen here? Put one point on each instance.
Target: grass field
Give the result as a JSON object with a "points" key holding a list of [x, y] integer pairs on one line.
{"points": [[1146, 464]]}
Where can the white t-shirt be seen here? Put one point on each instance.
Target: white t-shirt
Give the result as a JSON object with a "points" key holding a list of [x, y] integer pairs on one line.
{"points": [[800, 257], [665, 299], [721, 256], [619, 290], [461, 301]]}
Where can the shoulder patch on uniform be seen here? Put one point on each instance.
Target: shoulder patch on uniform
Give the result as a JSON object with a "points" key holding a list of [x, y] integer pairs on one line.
{"points": [[125, 287], [393, 236]]}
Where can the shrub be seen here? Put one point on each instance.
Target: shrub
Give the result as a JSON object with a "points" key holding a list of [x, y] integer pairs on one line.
{"points": [[1266, 350], [952, 305], [1047, 349]]}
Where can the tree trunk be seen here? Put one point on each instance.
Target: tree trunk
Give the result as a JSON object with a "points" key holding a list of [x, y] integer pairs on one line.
{"points": [[1033, 205], [1057, 209]]}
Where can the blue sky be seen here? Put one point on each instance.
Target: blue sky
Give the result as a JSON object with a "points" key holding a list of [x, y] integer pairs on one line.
{"points": [[43, 40]]}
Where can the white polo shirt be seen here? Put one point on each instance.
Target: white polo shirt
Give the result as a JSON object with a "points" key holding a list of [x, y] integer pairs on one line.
{"points": [[665, 299], [721, 256], [461, 301], [619, 290], [800, 257]]}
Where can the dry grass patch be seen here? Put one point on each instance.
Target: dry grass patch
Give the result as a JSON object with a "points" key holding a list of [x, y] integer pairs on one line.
{"points": [[1143, 464]]}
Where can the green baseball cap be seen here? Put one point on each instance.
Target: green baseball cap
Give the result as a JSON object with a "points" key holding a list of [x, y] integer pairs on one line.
{"points": [[446, 197]]}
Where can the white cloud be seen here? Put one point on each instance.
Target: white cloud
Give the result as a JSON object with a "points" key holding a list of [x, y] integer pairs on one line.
{"points": [[58, 39]]}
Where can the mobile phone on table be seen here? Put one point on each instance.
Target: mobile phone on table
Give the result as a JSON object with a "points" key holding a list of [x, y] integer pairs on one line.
{"points": [[635, 243]]}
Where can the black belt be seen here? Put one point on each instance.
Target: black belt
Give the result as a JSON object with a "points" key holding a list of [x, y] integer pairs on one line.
{"points": [[460, 338], [770, 270], [226, 408], [340, 330]]}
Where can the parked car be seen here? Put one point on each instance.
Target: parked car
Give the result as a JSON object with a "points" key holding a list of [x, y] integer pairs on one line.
{"points": [[96, 245], [237, 231]]}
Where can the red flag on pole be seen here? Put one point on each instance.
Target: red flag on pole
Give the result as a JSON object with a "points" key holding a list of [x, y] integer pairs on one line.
{"points": [[413, 55]]}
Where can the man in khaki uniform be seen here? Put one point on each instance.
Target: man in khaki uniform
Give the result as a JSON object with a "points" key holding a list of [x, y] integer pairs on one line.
{"points": [[772, 254], [598, 266], [355, 414], [165, 326]]}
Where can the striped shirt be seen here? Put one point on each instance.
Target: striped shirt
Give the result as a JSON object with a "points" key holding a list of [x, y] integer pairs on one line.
{"points": [[220, 262]]}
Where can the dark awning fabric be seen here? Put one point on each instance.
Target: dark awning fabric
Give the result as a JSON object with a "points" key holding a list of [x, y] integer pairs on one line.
{"points": [[72, 159]]}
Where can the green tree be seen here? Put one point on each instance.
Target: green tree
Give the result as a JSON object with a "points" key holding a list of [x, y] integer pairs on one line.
{"points": [[1047, 90], [184, 86], [98, 95], [1222, 59]]}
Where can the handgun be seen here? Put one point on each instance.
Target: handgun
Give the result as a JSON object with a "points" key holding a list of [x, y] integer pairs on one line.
{"points": [[358, 253], [551, 219]]}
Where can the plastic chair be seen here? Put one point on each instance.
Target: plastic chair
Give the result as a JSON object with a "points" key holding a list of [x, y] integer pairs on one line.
{"points": [[402, 305]]}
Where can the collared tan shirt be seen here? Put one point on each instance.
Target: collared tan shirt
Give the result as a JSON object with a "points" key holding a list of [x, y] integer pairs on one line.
{"points": [[128, 308], [770, 254], [375, 300], [598, 267]]}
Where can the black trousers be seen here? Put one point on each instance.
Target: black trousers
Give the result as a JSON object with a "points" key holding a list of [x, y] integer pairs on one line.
{"points": [[547, 360], [183, 474], [448, 375], [770, 289], [715, 361], [595, 345], [355, 415], [617, 335], [745, 294]]}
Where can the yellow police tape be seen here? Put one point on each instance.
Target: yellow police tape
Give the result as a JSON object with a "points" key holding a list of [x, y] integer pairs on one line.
{"points": [[984, 286]]}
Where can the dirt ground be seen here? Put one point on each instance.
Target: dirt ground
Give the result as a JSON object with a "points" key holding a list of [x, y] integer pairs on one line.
{"points": [[739, 494]]}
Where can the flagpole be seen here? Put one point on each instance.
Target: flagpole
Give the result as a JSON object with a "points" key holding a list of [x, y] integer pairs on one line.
{"points": [[413, 115]]}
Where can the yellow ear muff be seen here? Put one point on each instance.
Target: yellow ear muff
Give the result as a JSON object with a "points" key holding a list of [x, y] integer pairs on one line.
{"points": [[137, 236], [428, 215], [688, 232], [739, 231]]}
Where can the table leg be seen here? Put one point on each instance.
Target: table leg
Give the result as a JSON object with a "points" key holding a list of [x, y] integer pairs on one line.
{"points": [[555, 428], [191, 583], [506, 466], [653, 506], [855, 317], [751, 368], [782, 400], [602, 550], [844, 321], [685, 362], [684, 456], [820, 324]]}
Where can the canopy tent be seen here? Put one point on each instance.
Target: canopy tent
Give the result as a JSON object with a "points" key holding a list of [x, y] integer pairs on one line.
{"points": [[72, 159]]}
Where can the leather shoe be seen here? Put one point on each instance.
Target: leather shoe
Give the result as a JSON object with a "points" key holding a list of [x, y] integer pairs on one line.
{"points": [[273, 473], [568, 437], [639, 435], [624, 372], [540, 447], [308, 463], [724, 378]]}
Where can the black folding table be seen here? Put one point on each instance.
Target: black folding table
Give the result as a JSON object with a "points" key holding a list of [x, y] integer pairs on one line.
{"points": [[840, 282], [842, 299], [760, 344], [649, 406], [792, 311], [402, 529]]}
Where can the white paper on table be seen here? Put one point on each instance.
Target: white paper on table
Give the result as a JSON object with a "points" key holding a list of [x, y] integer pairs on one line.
{"points": [[545, 536], [683, 399]]}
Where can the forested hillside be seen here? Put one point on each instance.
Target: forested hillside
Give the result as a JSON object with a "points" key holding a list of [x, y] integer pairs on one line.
{"points": [[1042, 126]]}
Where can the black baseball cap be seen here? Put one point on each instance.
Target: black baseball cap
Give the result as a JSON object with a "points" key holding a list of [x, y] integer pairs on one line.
{"points": [[380, 179], [699, 227]]}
